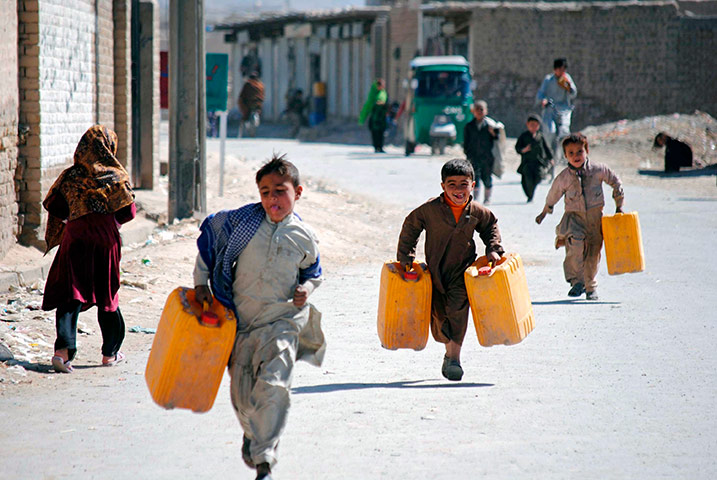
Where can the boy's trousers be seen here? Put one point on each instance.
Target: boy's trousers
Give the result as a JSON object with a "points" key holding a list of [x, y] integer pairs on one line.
{"points": [[449, 313], [581, 232], [261, 369]]}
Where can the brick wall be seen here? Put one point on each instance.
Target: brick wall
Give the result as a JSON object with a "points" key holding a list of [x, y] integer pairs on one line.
{"points": [[8, 124], [104, 64], [403, 34], [696, 60], [626, 59], [66, 84], [123, 81]]}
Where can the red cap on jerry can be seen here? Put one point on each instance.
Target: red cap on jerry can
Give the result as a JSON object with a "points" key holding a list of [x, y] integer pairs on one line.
{"points": [[411, 276], [210, 319]]}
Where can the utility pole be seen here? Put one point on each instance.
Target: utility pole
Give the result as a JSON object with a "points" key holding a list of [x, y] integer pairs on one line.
{"points": [[187, 110]]}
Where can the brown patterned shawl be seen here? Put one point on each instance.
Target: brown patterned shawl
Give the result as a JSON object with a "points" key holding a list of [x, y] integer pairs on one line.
{"points": [[96, 183]]}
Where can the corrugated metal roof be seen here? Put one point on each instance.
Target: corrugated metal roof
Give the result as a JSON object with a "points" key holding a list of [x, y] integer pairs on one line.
{"points": [[317, 16]]}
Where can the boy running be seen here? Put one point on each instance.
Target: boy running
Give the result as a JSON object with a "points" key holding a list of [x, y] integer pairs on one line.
{"points": [[450, 221], [263, 262], [580, 229]]}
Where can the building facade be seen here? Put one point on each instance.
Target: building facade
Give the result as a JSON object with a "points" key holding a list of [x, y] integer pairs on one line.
{"points": [[66, 65]]}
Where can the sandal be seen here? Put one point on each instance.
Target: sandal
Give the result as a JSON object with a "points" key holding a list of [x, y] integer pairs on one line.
{"points": [[60, 365], [119, 357]]}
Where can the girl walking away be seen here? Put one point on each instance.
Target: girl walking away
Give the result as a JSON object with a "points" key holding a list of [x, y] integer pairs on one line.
{"points": [[86, 205]]}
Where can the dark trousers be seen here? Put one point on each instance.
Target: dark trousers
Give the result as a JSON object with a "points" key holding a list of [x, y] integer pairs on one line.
{"points": [[483, 169], [449, 313], [529, 179], [377, 139], [111, 325]]}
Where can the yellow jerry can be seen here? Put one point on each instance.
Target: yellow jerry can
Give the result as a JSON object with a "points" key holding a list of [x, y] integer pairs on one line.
{"points": [[190, 352], [499, 300], [623, 243], [404, 306]]}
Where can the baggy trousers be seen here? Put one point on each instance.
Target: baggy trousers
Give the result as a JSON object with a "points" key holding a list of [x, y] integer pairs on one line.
{"points": [[449, 313], [529, 179], [261, 370], [111, 325], [556, 126], [583, 241]]}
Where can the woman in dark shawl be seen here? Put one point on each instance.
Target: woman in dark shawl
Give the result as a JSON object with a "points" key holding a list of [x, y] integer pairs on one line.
{"points": [[86, 205]]}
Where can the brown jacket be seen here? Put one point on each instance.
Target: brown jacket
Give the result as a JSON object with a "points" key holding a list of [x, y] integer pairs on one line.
{"points": [[450, 248], [568, 183], [251, 97]]}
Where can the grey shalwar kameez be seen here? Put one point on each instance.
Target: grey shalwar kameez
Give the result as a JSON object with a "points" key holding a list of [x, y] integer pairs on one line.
{"points": [[272, 333], [580, 229]]}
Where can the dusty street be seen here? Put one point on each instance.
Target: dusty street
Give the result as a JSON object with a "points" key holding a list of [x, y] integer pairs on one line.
{"points": [[619, 388]]}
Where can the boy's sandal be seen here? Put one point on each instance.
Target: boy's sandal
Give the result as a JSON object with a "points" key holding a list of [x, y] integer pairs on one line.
{"points": [[60, 365], [119, 358]]}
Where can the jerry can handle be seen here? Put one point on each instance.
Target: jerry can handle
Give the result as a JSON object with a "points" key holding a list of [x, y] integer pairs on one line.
{"points": [[485, 270], [208, 318]]}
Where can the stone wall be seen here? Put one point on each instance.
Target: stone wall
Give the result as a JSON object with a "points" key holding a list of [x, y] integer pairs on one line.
{"points": [[628, 60], [8, 124]]}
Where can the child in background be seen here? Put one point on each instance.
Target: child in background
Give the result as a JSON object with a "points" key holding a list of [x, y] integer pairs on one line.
{"points": [[87, 204], [580, 229], [450, 221], [479, 135], [263, 263], [535, 156]]}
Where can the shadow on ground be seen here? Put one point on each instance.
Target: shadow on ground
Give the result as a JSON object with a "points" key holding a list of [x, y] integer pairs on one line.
{"points": [[575, 301], [338, 387], [694, 172]]}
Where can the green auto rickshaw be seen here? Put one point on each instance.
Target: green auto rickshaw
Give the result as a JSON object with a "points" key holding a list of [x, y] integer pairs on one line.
{"points": [[438, 103]]}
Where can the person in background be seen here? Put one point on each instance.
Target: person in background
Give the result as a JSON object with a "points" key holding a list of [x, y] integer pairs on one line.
{"points": [[556, 95], [535, 156], [251, 97], [374, 110], [677, 154], [479, 136], [87, 204]]}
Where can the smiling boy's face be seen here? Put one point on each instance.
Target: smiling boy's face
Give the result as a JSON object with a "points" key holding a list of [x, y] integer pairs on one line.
{"points": [[458, 188], [278, 196]]}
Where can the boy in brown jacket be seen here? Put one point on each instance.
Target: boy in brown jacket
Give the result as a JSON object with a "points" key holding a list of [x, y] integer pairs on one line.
{"points": [[580, 229], [450, 221]]}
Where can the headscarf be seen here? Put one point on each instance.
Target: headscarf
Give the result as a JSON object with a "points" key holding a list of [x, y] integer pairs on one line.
{"points": [[375, 96], [95, 183]]}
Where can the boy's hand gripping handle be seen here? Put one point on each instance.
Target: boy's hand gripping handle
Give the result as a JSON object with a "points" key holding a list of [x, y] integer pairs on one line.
{"points": [[482, 271]]}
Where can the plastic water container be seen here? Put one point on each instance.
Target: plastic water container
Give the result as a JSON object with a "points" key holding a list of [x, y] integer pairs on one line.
{"points": [[623, 243], [190, 352], [499, 300], [404, 306]]}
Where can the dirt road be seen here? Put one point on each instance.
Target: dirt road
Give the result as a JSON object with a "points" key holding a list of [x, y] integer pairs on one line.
{"points": [[619, 388]]}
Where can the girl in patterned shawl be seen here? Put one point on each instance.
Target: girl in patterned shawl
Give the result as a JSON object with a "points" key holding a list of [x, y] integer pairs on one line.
{"points": [[87, 204]]}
